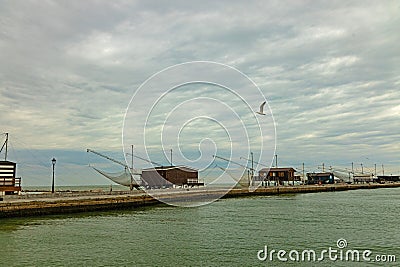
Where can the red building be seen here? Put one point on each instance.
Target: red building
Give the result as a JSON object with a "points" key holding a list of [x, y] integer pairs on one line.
{"points": [[278, 175]]}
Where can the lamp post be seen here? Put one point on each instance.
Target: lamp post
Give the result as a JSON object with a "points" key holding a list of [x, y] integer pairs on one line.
{"points": [[53, 161]]}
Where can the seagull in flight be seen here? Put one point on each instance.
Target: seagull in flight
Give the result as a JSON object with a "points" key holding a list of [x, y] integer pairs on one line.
{"points": [[261, 112]]}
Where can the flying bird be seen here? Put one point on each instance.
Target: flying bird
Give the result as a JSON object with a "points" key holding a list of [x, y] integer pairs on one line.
{"points": [[261, 112]]}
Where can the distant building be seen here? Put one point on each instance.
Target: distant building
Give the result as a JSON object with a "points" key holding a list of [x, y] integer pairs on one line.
{"points": [[387, 178], [161, 177], [9, 184], [278, 175], [320, 178], [390, 178], [363, 178]]}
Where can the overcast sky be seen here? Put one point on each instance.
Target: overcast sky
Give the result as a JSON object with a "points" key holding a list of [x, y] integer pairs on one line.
{"points": [[329, 69]]}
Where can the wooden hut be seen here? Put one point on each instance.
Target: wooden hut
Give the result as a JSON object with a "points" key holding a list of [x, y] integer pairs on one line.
{"points": [[161, 177], [278, 175]]}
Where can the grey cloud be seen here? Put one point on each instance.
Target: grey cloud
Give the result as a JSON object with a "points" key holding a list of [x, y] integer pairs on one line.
{"points": [[329, 69]]}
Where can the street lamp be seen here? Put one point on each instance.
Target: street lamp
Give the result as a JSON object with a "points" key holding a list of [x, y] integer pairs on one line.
{"points": [[53, 161]]}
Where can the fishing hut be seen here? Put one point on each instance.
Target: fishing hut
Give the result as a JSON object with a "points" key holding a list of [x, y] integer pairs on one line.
{"points": [[363, 178], [387, 178], [164, 177], [320, 178], [278, 175]]}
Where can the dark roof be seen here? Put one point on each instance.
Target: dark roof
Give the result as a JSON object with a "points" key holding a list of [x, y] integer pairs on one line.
{"points": [[388, 176], [183, 168], [319, 174], [7, 162], [277, 169]]}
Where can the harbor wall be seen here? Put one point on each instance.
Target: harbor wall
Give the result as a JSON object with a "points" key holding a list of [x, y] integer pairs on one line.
{"points": [[307, 189], [39, 207], [63, 204]]}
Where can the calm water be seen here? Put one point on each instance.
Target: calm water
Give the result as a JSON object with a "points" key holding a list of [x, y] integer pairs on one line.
{"points": [[229, 232]]}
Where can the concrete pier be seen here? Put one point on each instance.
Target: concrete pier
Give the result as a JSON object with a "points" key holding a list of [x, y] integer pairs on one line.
{"points": [[64, 203]]}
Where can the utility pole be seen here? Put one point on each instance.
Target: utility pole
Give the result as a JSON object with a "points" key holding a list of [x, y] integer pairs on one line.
{"points": [[362, 169], [171, 157], [252, 163], [304, 179], [383, 171], [131, 172], [132, 156], [323, 167], [252, 168], [352, 167]]}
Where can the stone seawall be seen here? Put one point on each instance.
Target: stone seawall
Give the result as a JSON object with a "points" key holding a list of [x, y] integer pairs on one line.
{"points": [[64, 204], [47, 206], [307, 189]]}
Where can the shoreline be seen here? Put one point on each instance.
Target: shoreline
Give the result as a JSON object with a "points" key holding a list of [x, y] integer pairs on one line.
{"points": [[78, 202]]}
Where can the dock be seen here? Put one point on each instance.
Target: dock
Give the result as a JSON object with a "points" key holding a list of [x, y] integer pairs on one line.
{"points": [[75, 202]]}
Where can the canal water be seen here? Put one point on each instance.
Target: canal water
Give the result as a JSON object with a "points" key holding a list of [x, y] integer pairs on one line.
{"points": [[229, 232]]}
